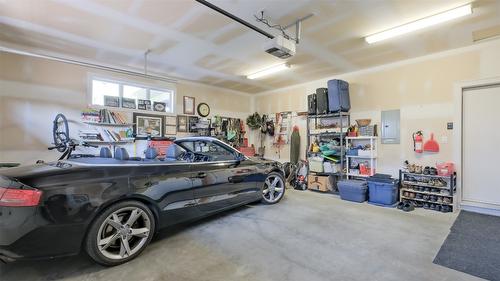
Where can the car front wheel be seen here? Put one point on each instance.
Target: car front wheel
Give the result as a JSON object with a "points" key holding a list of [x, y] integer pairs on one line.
{"points": [[274, 188], [120, 233]]}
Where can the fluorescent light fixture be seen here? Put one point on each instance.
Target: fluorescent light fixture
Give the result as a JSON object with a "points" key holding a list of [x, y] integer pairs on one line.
{"points": [[420, 24], [268, 71]]}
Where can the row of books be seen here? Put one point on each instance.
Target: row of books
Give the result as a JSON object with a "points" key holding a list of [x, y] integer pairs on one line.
{"points": [[104, 135], [103, 116]]}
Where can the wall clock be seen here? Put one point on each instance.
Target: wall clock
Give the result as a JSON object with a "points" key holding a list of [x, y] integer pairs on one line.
{"points": [[203, 109]]}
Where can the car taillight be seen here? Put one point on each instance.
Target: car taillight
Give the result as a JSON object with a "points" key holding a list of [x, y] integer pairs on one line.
{"points": [[10, 197]]}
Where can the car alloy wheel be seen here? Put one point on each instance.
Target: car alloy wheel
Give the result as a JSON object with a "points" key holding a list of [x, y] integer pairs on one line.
{"points": [[274, 188], [123, 233], [120, 233]]}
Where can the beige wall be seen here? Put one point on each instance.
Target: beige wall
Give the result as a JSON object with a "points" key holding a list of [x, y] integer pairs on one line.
{"points": [[34, 90], [421, 88]]}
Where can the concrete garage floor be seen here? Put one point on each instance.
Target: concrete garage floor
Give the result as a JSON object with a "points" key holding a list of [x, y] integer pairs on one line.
{"points": [[307, 236]]}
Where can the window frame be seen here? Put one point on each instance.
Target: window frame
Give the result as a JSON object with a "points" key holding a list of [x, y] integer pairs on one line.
{"points": [[121, 83]]}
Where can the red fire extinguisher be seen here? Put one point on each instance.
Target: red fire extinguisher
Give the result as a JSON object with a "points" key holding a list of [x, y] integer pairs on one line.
{"points": [[418, 142]]}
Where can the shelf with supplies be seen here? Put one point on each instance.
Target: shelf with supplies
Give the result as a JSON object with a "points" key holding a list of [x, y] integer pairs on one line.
{"points": [[434, 192], [106, 127], [110, 142], [361, 138], [357, 175], [329, 115], [328, 132], [361, 155], [109, 124]]}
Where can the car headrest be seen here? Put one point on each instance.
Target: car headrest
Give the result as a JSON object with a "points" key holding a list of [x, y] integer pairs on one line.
{"points": [[105, 152], [151, 153], [121, 154], [173, 151]]}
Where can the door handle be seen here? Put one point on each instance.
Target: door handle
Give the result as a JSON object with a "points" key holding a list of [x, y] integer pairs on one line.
{"points": [[201, 175]]}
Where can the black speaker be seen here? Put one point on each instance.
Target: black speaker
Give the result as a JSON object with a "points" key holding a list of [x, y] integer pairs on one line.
{"points": [[311, 101], [322, 101]]}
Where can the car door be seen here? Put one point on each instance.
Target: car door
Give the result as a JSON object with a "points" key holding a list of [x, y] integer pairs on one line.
{"points": [[225, 180], [170, 186]]}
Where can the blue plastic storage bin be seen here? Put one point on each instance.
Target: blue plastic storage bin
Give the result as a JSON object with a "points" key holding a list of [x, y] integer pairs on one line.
{"points": [[382, 190], [352, 152], [353, 190]]}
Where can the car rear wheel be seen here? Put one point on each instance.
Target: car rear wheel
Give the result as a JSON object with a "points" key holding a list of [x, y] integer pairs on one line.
{"points": [[274, 188], [120, 233]]}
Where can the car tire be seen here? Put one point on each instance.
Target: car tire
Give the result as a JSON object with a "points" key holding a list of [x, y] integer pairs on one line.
{"points": [[120, 233], [273, 189]]}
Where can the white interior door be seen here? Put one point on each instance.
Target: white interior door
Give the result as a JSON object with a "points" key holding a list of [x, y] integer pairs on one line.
{"points": [[481, 147]]}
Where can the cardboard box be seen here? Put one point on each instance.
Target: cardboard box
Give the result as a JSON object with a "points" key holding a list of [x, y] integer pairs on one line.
{"points": [[320, 183]]}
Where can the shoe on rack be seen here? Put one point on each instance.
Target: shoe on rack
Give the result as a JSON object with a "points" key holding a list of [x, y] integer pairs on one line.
{"points": [[425, 197], [439, 200], [438, 208], [426, 170], [418, 169], [432, 207], [412, 195], [408, 207], [445, 209], [411, 168], [433, 171], [441, 183], [400, 205], [418, 196], [426, 206]]}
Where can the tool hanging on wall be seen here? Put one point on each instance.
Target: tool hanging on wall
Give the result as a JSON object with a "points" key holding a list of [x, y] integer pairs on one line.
{"points": [[431, 145], [418, 141]]}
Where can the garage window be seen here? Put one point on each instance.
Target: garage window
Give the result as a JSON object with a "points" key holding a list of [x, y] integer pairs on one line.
{"points": [[100, 88]]}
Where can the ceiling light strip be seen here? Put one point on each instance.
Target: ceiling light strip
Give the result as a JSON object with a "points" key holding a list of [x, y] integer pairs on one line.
{"points": [[269, 71], [420, 24]]}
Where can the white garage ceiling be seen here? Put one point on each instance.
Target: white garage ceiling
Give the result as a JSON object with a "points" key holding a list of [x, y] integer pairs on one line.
{"points": [[189, 41]]}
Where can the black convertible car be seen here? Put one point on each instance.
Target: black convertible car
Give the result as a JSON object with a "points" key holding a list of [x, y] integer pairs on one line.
{"points": [[112, 207]]}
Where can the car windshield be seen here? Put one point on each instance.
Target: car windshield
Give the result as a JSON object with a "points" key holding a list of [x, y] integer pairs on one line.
{"points": [[214, 151]]}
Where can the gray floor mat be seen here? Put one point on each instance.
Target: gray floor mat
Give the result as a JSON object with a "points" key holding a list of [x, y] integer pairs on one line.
{"points": [[473, 246]]}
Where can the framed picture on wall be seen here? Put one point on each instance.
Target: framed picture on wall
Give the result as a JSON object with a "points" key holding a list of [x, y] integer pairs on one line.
{"points": [[159, 106], [171, 120], [193, 120], [188, 103], [182, 123], [128, 103], [144, 104], [111, 101], [148, 125], [170, 130]]}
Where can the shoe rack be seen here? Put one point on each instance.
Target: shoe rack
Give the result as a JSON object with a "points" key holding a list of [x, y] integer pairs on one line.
{"points": [[431, 192]]}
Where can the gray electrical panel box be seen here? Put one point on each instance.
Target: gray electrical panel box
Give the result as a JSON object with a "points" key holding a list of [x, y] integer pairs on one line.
{"points": [[390, 127]]}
